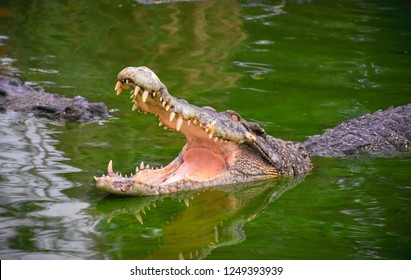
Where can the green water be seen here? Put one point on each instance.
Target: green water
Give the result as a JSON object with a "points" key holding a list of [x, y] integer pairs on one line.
{"points": [[296, 67]]}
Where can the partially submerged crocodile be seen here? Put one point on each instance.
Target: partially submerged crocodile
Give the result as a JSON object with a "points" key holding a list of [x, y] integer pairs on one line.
{"points": [[16, 96], [222, 148]]}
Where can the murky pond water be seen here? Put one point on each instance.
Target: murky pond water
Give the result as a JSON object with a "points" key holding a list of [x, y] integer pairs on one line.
{"points": [[296, 67]]}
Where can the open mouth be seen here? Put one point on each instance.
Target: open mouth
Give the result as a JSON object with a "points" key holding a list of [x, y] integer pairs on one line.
{"points": [[221, 149], [207, 156]]}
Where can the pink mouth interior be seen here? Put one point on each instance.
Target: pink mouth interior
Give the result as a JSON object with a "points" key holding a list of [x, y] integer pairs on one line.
{"points": [[201, 159], [198, 164]]}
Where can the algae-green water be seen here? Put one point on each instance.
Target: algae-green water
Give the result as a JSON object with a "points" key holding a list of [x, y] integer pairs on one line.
{"points": [[296, 67]]}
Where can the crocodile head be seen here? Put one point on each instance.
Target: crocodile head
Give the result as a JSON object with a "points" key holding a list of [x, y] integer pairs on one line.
{"points": [[222, 148]]}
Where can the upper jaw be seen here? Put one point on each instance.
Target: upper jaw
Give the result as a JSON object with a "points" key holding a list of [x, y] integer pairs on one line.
{"points": [[175, 113]]}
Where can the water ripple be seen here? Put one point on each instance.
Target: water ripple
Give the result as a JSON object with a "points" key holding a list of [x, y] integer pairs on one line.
{"points": [[255, 69], [44, 71], [269, 11], [35, 215]]}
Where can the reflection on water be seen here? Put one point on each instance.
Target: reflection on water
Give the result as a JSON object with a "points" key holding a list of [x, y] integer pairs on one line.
{"points": [[186, 225]]}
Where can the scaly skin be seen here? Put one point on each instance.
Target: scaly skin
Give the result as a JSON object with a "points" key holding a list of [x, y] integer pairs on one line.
{"points": [[16, 96], [222, 148], [383, 133]]}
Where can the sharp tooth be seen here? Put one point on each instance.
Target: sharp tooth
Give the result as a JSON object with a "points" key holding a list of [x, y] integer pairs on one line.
{"points": [[195, 121], [164, 103], [126, 81], [172, 115], [154, 94], [188, 122], [215, 139], [206, 129], [141, 165], [118, 85], [161, 99], [216, 234], [210, 135], [167, 108], [145, 95], [110, 167], [160, 123], [179, 123], [147, 166], [135, 106], [138, 217], [118, 88], [95, 178], [186, 202], [137, 90]]}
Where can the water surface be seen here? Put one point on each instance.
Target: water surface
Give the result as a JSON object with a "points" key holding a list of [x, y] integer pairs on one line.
{"points": [[296, 67]]}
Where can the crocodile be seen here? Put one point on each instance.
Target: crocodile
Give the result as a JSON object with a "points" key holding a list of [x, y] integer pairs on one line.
{"points": [[17, 96], [223, 148]]}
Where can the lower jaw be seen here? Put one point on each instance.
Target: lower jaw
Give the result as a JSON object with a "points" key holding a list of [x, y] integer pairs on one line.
{"points": [[133, 187]]}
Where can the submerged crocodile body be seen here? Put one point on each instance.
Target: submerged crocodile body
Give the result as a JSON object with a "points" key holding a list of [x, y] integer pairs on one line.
{"points": [[222, 148], [383, 133], [16, 96]]}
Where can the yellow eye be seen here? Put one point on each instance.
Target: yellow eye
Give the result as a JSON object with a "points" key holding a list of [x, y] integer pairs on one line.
{"points": [[235, 118]]}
